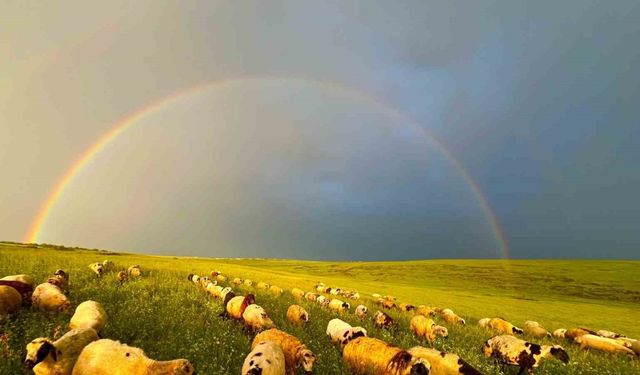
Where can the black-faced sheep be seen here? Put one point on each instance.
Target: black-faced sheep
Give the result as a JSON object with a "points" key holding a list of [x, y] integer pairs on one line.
{"points": [[589, 341], [89, 314], [60, 279], [108, 357], [134, 271], [97, 268], [341, 332], [10, 300], [338, 305], [450, 317], [382, 320], [297, 293], [236, 305], [514, 351], [121, 277], [296, 354], [45, 357], [297, 315], [500, 325], [426, 328], [361, 311], [535, 329], [443, 363], [49, 297], [256, 319], [266, 358], [370, 356], [406, 307]]}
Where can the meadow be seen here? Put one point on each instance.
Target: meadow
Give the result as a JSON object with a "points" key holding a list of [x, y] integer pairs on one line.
{"points": [[170, 317]]}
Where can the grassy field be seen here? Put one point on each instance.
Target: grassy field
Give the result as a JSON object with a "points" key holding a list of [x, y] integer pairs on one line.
{"points": [[169, 317]]}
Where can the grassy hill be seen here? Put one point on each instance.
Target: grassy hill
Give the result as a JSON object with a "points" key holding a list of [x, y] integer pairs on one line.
{"points": [[169, 317]]}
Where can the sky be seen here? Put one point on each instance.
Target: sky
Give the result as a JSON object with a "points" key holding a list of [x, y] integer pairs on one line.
{"points": [[352, 130]]}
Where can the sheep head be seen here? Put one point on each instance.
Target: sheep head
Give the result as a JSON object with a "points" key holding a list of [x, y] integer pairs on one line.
{"points": [[38, 350]]}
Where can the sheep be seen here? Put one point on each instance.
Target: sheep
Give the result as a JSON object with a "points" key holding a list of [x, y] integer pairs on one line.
{"points": [[376, 295], [266, 358], [108, 265], [236, 305], [58, 358], [89, 314], [321, 299], [450, 317], [203, 281], [276, 291], [49, 297], [23, 278], [423, 327], [108, 357], [370, 356], [121, 276], [61, 281], [423, 310], [10, 300], [609, 334], [221, 278], [255, 318], [320, 288], [310, 296], [514, 351], [297, 315], [502, 326], [297, 293], [262, 285], [574, 333], [559, 333], [443, 363], [296, 354], [382, 320], [338, 305], [590, 341], [535, 329], [387, 304], [226, 294], [342, 332], [406, 307], [134, 271], [97, 268], [361, 311], [23, 289], [484, 322], [237, 281], [248, 282]]}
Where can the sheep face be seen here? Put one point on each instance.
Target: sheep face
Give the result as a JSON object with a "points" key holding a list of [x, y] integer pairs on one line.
{"points": [[559, 352], [420, 368], [97, 268], [306, 359], [38, 350], [487, 350], [442, 331]]}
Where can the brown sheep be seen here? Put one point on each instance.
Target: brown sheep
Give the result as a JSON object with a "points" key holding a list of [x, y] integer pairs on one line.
{"points": [[382, 320], [121, 277], [309, 296], [370, 356], [296, 354], [297, 315], [450, 317], [10, 300]]}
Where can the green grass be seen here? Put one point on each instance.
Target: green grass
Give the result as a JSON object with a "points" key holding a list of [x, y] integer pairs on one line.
{"points": [[169, 317]]}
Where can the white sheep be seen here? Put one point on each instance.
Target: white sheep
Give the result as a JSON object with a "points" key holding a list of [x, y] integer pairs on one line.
{"points": [[266, 358], [296, 354], [108, 357], [89, 314], [514, 351], [49, 297], [605, 344], [338, 305], [361, 311], [342, 332], [535, 329], [297, 315], [256, 318], [58, 358]]}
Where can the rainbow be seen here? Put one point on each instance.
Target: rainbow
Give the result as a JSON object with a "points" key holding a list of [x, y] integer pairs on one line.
{"points": [[120, 127]]}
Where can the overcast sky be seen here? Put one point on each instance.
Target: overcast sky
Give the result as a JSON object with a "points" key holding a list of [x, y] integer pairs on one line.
{"points": [[295, 156]]}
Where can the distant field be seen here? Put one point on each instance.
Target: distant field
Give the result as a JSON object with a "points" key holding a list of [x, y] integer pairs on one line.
{"points": [[169, 317]]}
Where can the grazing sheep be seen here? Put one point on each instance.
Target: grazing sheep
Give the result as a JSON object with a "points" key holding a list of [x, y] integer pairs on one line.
{"points": [[514, 351], [342, 332], [382, 320], [221, 278], [338, 305], [361, 311], [49, 297], [256, 318], [297, 293], [590, 341], [58, 358], [321, 299], [484, 322], [450, 317], [535, 329], [60, 281], [502, 326], [609, 334], [635, 346], [443, 363], [23, 278], [121, 276], [276, 291], [370, 356], [387, 304], [423, 327], [226, 294], [108, 265], [97, 268], [423, 310], [559, 333], [237, 281], [574, 333], [297, 315], [406, 307], [310, 296], [108, 357], [134, 271], [248, 282], [10, 300], [25, 290], [89, 314], [296, 354], [262, 285], [236, 305], [266, 358]]}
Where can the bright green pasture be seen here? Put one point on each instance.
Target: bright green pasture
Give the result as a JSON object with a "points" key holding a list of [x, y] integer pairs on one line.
{"points": [[169, 317]]}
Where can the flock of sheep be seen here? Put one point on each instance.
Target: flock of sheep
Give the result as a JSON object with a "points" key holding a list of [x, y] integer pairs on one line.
{"points": [[275, 352]]}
